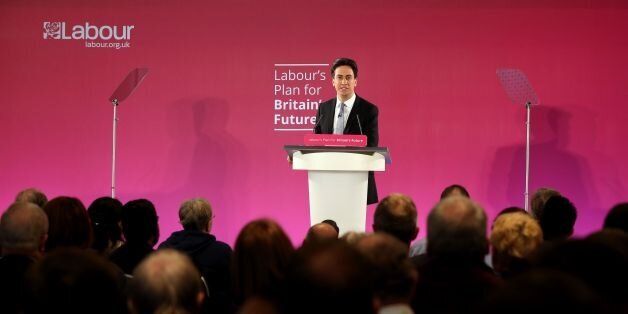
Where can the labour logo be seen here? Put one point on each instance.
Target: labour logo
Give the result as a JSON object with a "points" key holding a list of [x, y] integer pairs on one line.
{"points": [[52, 30]]}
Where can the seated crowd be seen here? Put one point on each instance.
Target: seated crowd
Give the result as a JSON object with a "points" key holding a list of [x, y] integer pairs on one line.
{"points": [[58, 256]]}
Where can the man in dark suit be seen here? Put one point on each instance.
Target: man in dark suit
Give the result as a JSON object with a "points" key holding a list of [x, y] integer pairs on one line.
{"points": [[348, 113]]}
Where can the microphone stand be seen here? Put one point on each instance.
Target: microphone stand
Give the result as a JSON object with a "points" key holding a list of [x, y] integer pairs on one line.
{"points": [[114, 102]]}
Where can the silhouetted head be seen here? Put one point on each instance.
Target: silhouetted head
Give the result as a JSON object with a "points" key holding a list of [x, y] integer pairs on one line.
{"points": [[69, 224]]}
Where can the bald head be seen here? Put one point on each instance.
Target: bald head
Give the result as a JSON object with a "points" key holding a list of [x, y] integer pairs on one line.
{"points": [[321, 232], [166, 281], [457, 226], [23, 228]]}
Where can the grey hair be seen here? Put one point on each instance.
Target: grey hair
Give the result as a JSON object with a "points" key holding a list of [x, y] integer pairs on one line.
{"points": [[22, 226], [195, 214]]}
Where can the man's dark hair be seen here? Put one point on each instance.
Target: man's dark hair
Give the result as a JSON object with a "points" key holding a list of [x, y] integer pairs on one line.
{"points": [[396, 215], [557, 218], [266, 243], [394, 276], [71, 280], [452, 188], [139, 222], [106, 214], [345, 61], [331, 277], [332, 223], [69, 224], [538, 200], [617, 217]]}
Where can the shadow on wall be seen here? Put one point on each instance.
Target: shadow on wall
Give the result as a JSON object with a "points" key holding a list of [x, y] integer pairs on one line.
{"points": [[551, 165], [205, 160]]}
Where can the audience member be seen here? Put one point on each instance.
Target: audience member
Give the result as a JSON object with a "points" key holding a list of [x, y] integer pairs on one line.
{"points": [[71, 280], [260, 259], [396, 215], [32, 195], [69, 224], [543, 291], [106, 217], [514, 237], [539, 198], [352, 237], [454, 190], [557, 218], [599, 263], [453, 277], [331, 277], [320, 232], [617, 217], [333, 224], [23, 233], [166, 282], [211, 257], [139, 225], [420, 246], [394, 276]]}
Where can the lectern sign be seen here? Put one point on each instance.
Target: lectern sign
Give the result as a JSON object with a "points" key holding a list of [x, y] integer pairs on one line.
{"points": [[334, 140]]}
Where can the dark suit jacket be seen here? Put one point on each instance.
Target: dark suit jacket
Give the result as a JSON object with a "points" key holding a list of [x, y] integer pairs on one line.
{"points": [[367, 114]]}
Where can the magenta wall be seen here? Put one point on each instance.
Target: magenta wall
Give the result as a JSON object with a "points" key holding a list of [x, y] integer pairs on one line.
{"points": [[201, 124]]}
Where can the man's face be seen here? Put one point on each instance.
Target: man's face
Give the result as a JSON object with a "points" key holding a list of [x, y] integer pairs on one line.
{"points": [[344, 82]]}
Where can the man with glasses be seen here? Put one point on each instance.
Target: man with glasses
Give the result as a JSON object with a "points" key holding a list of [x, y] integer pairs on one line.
{"points": [[349, 113]]}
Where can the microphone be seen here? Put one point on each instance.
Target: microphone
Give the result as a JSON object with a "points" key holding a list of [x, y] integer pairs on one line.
{"points": [[357, 116], [317, 122]]}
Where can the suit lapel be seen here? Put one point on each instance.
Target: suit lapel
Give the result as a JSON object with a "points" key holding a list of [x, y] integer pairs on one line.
{"points": [[352, 126], [330, 113]]}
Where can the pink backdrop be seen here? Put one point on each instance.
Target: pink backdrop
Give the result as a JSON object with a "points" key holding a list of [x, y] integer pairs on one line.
{"points": [[201, 124]]}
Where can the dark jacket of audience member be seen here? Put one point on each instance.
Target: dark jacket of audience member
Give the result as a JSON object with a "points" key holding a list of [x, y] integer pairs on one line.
{"points": [[69, 224], [139, 225], [211, 257]]}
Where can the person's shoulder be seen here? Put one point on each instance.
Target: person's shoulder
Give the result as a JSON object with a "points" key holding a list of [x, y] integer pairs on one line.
{"points": [[329, 102], [365, 103], [223, 246]]}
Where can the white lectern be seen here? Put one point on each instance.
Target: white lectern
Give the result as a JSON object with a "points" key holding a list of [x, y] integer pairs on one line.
{"points": [[338, 181]]}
